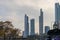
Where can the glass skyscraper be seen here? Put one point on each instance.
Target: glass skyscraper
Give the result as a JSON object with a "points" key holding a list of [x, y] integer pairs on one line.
{"points": [[41, 22], [57, 12], [26, 28], [32, 27]]}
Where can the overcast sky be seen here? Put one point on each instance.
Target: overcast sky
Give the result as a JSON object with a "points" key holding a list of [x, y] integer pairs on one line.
{"points": [[14, 10]]}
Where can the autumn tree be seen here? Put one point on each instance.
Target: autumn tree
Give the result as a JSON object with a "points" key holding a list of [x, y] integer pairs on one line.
{"points": [[6, 29]]}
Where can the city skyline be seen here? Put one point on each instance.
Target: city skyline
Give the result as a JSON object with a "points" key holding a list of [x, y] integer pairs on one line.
{"points": [[14, 10]]}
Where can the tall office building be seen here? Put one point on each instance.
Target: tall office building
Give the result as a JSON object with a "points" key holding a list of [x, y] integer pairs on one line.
{"points": [[26, 28], [57, 12], [47, 28], [32, 27], [41, 22]]}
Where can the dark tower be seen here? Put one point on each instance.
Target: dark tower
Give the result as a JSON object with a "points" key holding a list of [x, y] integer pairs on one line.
{"points": [[32, 27], [41, 22], [26, 28]]}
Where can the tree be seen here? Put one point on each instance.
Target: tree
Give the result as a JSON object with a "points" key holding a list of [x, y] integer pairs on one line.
{"points": [[6, 29]]}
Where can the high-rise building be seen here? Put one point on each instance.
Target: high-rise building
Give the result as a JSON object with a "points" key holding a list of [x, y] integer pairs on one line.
{"points": [[57, 12], [41, 22], [47, 28], [32, 27], [26, 28]]}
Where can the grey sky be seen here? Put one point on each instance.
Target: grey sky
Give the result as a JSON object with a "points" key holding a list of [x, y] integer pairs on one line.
{"points": [[14, 10]]}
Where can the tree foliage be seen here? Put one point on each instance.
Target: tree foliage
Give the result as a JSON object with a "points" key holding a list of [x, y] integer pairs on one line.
{"points": [[6, 29]]}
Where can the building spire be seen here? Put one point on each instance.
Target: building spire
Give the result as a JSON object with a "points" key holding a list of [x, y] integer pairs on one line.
{"points": [[41, 12]]}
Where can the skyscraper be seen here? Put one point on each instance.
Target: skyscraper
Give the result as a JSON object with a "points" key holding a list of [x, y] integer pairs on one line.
{"points": [[32, 27], [41, 22], [26, 28], [47, 28], [57, 12]]}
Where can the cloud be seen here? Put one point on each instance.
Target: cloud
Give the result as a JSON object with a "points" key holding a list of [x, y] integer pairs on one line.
{"points": [[13, 17]]}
